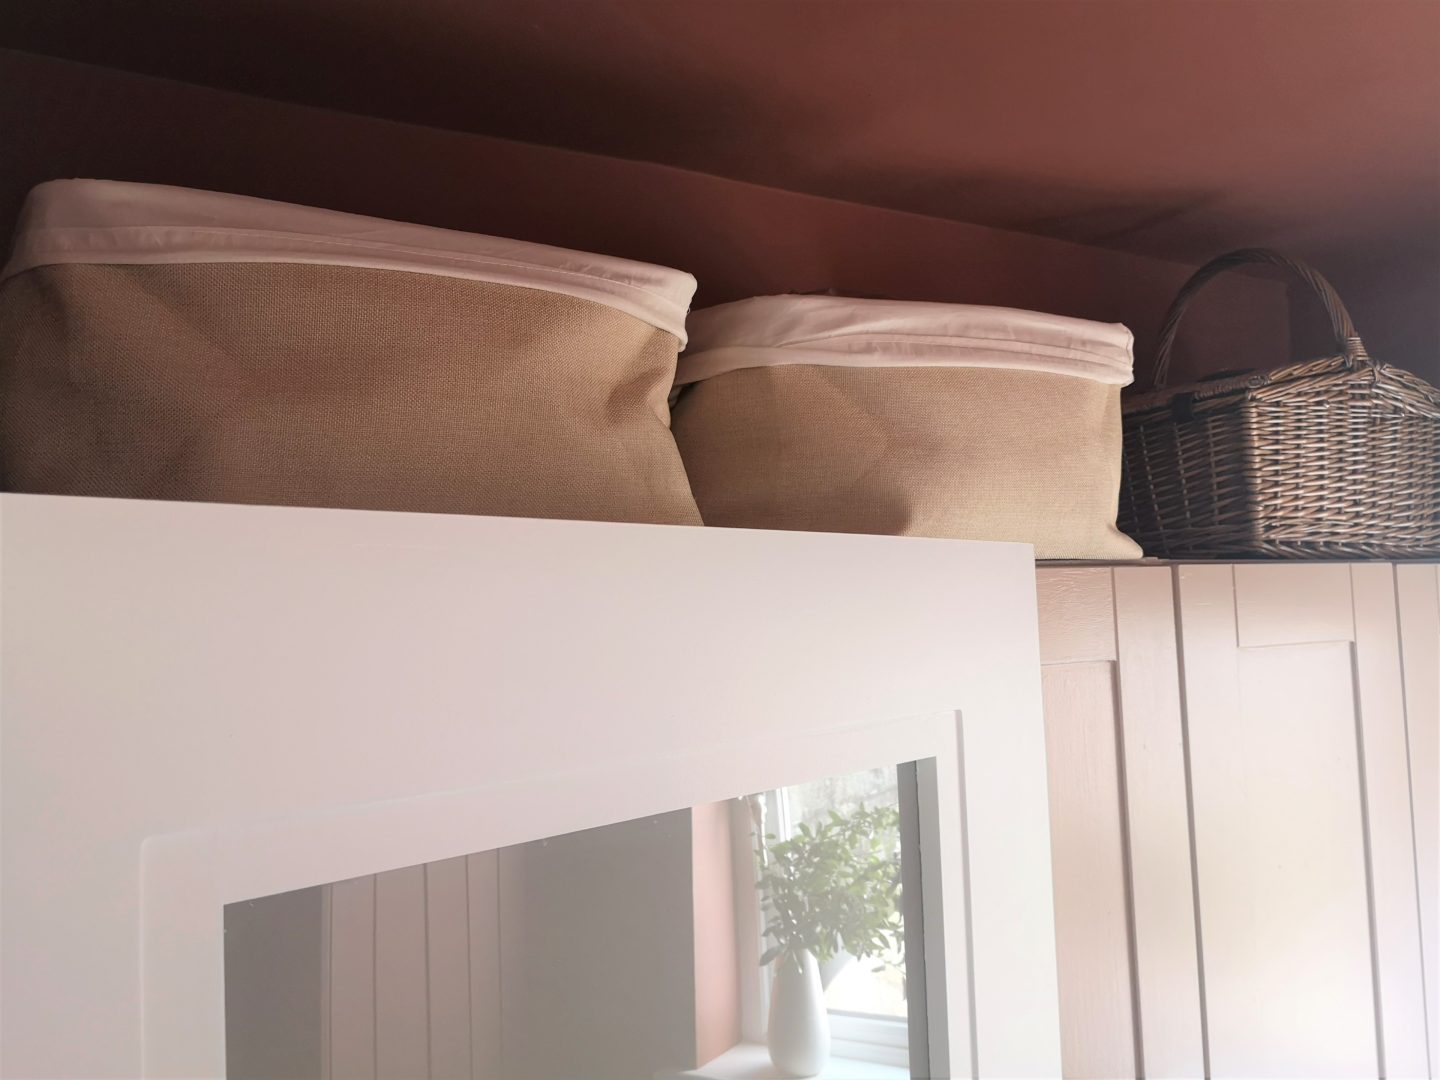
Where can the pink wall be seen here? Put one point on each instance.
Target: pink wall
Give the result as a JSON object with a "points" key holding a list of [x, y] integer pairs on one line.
{"points": [[739, 239], [717, 955]]}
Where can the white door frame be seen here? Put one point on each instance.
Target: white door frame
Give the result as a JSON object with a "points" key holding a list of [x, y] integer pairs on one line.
{"points": [[204, 704]]}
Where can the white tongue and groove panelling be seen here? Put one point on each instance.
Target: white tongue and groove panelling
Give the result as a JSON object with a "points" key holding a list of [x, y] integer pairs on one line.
{"points": [[417, 954], [1119, 823], [1243, 764], [413, 972]]}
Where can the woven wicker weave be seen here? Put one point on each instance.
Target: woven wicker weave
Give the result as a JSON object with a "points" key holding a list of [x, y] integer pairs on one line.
{"points": [[1335, 457]]}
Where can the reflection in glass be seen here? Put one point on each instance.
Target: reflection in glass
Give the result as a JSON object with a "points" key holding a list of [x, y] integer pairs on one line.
{"points": [[828, 874], [868, 989], [630, 950]]}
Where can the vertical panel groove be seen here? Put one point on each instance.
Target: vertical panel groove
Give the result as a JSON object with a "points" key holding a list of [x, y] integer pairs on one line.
{"points": [[1389, 817], [1126, 861], [965, 888], [1366, 851], [374, 977], [448, 976], [482, 890], [327, 948], [425, 945], [469, 972], [1157, 820], [1355, 680], [500, 972], [1190, 814], [1426, 975]]}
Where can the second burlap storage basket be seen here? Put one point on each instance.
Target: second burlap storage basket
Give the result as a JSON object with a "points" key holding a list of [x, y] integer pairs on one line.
{"points": [[172, 344], [876, 416]]}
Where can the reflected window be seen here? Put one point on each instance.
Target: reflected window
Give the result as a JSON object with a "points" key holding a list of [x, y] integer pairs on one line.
{"points": [[647, 948], [849, 826]]}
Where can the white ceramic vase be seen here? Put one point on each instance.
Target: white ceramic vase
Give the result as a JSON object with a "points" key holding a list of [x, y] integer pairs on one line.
{"points": [[833, 967], [799, 1034]]}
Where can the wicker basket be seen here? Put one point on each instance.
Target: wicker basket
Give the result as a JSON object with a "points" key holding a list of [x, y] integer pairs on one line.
{"points": [[1330, 458]]}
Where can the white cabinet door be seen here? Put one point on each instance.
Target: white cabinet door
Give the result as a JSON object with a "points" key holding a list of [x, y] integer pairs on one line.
{"points": [[1279, 842], [1237, 756], [207, 704], [1125, 926]]}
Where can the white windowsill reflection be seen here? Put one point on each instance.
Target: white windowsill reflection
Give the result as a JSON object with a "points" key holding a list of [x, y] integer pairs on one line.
{"points": [[750, 1061]]}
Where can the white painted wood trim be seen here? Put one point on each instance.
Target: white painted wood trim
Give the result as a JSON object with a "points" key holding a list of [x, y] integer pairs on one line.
{"points": [[1092, 918], [1156, 783], [748, 920], [1016, 1002], [1417, 589], [1279, 844], [276, 698], [1292, 603], [1077, 614], [1395, 911], [950, 983]]}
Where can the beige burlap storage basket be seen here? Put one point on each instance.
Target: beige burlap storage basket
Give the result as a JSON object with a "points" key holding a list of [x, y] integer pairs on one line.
{"points": [[170, 344], [839, 415]]}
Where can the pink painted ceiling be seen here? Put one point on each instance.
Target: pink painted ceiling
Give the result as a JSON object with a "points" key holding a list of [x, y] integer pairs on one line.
{"points": [[1174, 128]]}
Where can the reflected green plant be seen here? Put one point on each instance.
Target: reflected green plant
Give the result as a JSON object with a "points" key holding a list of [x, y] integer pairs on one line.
{"points": [[833, 888]]}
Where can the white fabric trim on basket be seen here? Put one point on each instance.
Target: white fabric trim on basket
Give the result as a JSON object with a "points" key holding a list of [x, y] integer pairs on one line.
{"points": [[834, 331], [107, 221]]}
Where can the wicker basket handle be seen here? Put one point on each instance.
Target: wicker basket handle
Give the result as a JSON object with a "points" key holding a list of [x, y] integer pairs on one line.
{"points": [[1347, 341]]}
